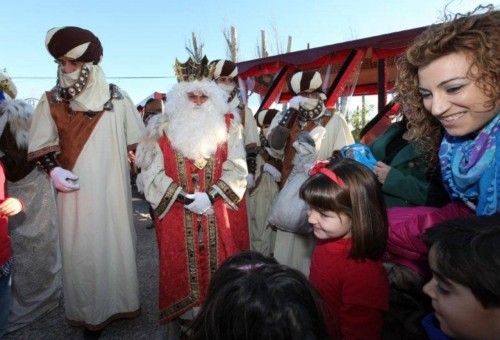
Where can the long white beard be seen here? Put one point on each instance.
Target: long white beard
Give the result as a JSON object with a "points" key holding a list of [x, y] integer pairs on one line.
{"points": [[196, 131]]}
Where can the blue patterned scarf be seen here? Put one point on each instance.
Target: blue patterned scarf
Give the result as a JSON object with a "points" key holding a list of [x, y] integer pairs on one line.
{"points": [[470, 168]]}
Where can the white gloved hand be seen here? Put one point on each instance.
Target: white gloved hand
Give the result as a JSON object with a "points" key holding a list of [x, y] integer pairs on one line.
{"points": [[64, 180], [270, 169], [295, 102], [201, 204], [250, 181]]}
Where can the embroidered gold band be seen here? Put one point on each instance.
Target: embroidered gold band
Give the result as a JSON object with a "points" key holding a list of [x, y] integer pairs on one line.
{"points": [[228, 192], [165, 200]]}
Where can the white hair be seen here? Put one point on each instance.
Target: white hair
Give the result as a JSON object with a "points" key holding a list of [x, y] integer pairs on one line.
{"points": [[196, 131]]}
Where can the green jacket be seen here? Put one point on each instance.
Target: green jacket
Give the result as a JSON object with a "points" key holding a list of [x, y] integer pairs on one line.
{"points": [[408, 183]]}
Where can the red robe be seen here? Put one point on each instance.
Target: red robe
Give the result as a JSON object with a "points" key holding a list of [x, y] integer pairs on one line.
{"points": [[191, 246]]}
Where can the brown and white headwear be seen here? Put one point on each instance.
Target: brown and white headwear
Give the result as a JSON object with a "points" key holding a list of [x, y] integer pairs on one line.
{"points": [[222, 68], [265, 117], [305, 81], [74, 43]]}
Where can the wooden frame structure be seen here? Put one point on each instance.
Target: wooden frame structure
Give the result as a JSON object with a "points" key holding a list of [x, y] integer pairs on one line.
{"points": [[359, 67]]}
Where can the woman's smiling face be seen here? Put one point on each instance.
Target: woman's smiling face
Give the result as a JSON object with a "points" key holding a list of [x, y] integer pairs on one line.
{"points": [[451, 96]]}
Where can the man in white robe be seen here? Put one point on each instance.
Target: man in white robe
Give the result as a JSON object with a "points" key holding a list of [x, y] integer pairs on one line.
{"points": [[225, 74], [80, 134], [260, 197]]}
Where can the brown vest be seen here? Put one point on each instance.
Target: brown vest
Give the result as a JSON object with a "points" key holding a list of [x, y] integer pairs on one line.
{"points": [[74, 129]]}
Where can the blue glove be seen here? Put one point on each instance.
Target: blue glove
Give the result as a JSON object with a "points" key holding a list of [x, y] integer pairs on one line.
{"points": [[360, 153]]}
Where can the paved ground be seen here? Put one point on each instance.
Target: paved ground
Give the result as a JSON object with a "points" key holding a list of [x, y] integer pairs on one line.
{"points": [[53, 326]]}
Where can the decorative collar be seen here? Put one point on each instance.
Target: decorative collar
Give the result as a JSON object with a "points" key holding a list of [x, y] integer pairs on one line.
{"points": [[68, 93], [115, 93], [312, 114]]}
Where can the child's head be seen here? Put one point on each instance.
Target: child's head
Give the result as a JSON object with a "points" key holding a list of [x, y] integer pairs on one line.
{"points": [[464, 258], [253, 297], [345, 200]]}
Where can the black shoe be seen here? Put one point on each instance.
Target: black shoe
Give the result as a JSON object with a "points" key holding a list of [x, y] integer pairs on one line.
{"points": [[91, 335]]}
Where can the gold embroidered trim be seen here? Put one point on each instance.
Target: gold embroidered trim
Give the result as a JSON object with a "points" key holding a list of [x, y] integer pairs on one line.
{"points": [[212, 222], [189, 224], [165, 200], [226, 189], [194, 293], [212, 243]]}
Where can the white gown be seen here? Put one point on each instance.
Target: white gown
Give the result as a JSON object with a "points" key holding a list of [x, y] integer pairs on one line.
{"points": [[96, 225]]}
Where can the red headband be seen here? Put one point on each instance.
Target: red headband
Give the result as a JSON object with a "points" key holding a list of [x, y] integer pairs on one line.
{"points": [[321, 167]]}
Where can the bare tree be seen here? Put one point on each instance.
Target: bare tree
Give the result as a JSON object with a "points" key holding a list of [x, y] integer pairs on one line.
{"points": [[230, 36], [263, 45], [277, 42], [262, 50], [263, 53], [196, 50]]}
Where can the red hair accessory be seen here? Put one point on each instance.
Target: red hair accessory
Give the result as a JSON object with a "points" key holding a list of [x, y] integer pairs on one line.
{"points": [[321, 167]]}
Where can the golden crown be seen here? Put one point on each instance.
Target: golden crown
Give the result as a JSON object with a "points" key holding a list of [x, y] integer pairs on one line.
{"points": [[191, 70]]}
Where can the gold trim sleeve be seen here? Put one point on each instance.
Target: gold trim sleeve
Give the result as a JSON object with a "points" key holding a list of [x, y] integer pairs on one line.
{"points": [[168, 199], [227, 193]]}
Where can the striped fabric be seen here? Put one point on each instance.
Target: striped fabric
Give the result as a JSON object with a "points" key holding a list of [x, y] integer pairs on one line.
{"points": [[74, 43], [223, 68], [305, 81]]}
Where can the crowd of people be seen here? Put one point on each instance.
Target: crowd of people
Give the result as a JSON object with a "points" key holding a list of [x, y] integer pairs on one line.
{"points": [[266, 228]]}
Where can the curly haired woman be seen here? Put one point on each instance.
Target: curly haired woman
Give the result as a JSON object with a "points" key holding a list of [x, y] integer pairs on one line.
{"points": [[448, 86], [449, 78]]}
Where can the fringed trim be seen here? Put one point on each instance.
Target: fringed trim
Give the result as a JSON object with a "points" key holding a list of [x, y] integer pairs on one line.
{"points": [[227, 193], [166, 200]]}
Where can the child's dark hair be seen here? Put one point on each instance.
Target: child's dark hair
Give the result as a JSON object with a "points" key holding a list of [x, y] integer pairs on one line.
{"points": [[251, 296], [467, 251], [360, 198]]}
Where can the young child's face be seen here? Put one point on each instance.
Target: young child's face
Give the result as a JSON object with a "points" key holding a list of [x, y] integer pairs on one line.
{"points": [[460, 314], [329, 224]]}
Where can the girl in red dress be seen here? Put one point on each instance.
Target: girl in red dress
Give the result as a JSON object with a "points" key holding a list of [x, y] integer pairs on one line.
{"points": [[347, 212]]}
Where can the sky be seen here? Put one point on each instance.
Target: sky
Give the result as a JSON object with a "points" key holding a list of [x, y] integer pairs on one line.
{"points": [[142, 39]]}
